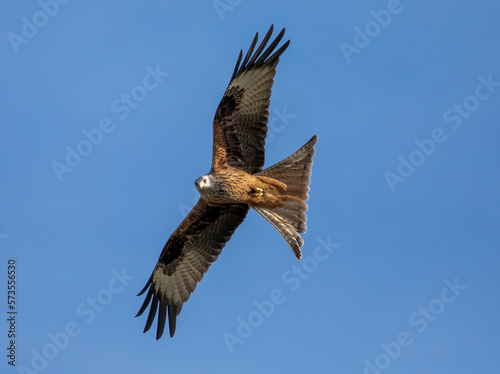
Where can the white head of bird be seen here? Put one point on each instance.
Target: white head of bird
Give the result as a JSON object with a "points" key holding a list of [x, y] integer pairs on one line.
{"points": [[203, 184]]}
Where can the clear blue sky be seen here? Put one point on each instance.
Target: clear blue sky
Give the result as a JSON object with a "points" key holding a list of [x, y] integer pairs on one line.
{"points": [[404, 97]]}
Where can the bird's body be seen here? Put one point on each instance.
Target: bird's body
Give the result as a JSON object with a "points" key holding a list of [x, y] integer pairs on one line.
{"points": [[234, 186], [235, 183]]}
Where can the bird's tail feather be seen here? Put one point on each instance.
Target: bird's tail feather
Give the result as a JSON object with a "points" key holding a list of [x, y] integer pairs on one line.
{"points": [[290, 218]]}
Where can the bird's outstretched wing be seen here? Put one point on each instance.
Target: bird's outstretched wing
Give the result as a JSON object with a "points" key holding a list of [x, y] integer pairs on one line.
{"points": [[240, 123], [186, 257]]}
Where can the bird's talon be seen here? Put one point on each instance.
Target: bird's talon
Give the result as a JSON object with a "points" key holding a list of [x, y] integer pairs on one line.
{"points": [[258, 192]]}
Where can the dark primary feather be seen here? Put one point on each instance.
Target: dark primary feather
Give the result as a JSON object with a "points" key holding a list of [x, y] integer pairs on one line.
{"points": [[186, 257], [252, 63], [240, 123]]}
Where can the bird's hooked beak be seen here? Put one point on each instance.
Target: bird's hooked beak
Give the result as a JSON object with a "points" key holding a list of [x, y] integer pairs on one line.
{"points": [[197, 184]]}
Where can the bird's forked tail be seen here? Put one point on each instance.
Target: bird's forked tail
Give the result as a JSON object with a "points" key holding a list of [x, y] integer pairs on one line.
{"points": [[290, 218]]}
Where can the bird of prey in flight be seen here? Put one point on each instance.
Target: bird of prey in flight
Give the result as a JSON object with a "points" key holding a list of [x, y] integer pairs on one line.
{"points": [[235, 183]]}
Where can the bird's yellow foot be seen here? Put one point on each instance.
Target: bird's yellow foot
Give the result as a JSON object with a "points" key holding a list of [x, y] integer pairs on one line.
{"points": [[257, 192]]}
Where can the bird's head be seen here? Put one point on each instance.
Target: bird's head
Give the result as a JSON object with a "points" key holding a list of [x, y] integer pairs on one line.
{"points": [[202, 183]]}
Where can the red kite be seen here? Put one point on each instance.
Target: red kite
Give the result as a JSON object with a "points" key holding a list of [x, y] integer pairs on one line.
{"points": [[235, 183]]}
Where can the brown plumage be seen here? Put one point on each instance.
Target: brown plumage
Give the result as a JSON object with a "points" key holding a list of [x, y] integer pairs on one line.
{"points": [[235, 183]]}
